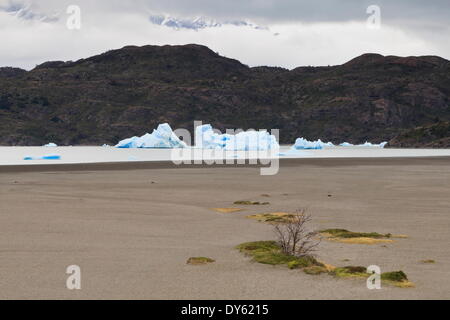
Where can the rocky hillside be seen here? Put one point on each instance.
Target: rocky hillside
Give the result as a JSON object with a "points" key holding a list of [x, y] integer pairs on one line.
{"points": [[433, 136], [127, 92]]}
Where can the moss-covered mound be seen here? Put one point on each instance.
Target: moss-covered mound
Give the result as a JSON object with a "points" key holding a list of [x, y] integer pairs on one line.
{"points": [[269, 252], [342, 233], [250, 203], [350, 271], [346, 236], [395, 278], [275, 217]]}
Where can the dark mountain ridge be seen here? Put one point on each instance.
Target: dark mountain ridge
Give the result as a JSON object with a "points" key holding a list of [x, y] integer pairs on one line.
{"points": [[127, 92]]}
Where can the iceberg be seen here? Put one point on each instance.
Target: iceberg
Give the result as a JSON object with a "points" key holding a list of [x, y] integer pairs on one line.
{"points": [[346, 144], [303, 144], [371, 145], [161, 138], [367, 145], [206, 138], [50, 145]]}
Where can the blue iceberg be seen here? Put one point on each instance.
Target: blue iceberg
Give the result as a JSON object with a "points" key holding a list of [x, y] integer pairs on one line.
{"points": [[303, 144], [50, 145], [207, 138], [161, 138], [366, 145]]}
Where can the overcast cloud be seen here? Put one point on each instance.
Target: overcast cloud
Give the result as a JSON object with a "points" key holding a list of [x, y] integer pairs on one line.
{"points": [[297, 32]]}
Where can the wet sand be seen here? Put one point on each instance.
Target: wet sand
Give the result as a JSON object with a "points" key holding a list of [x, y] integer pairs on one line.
{"points": [[132, 226]]}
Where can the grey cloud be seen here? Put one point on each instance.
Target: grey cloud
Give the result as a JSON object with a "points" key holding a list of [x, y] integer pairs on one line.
{"points": [[269, 11], [275, 11]]}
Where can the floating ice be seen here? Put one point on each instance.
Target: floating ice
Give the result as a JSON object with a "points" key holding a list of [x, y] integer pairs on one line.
{"points": [[346, 144], [367, 145], [161, 138], [206, 138], [303, 144], [51, 145], [47, 157]]}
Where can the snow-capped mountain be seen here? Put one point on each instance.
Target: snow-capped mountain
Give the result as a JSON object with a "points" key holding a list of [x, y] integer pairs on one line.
{"points": [[197, 23]]}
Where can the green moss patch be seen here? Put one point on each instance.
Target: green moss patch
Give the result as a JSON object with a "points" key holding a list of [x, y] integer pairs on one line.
{"points": [[342, 233], [251, 203], [315, 270], [395, 278], [269, 252], [350, 237], [351, 271], [276, 217], [200, 261]]}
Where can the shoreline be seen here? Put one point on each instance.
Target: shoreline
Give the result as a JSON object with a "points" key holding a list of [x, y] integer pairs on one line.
{"points": [[289, 162]]}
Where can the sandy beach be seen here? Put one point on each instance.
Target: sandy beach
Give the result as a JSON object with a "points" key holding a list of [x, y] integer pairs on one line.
{"points": [[132, 226]]}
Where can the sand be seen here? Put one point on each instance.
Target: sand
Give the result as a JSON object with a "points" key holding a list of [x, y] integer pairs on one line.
{"points": [[131, 227]]}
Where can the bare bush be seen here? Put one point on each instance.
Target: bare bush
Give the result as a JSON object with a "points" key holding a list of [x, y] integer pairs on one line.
{"points": [[294, 237]]}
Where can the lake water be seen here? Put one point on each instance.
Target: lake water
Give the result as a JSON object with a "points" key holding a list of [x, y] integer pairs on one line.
{"points": [[16, 155]]}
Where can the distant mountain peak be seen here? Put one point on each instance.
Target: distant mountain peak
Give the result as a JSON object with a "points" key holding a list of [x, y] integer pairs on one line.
{"points": [[198, 23]]}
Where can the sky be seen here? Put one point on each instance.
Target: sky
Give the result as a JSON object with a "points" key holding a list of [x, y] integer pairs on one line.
{"points": [[285, 33]]}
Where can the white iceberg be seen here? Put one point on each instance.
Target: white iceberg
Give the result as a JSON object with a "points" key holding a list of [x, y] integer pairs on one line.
{"points": [[51, 145], [303, 144], [161, 138], [366, 145], [346, 144], [206, 138]]}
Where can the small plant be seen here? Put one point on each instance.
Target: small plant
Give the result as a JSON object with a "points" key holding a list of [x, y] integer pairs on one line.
{"points": [[294, 238]]}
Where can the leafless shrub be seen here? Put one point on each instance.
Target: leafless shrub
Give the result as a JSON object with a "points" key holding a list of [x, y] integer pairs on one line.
{"points": [[294, 237]]}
